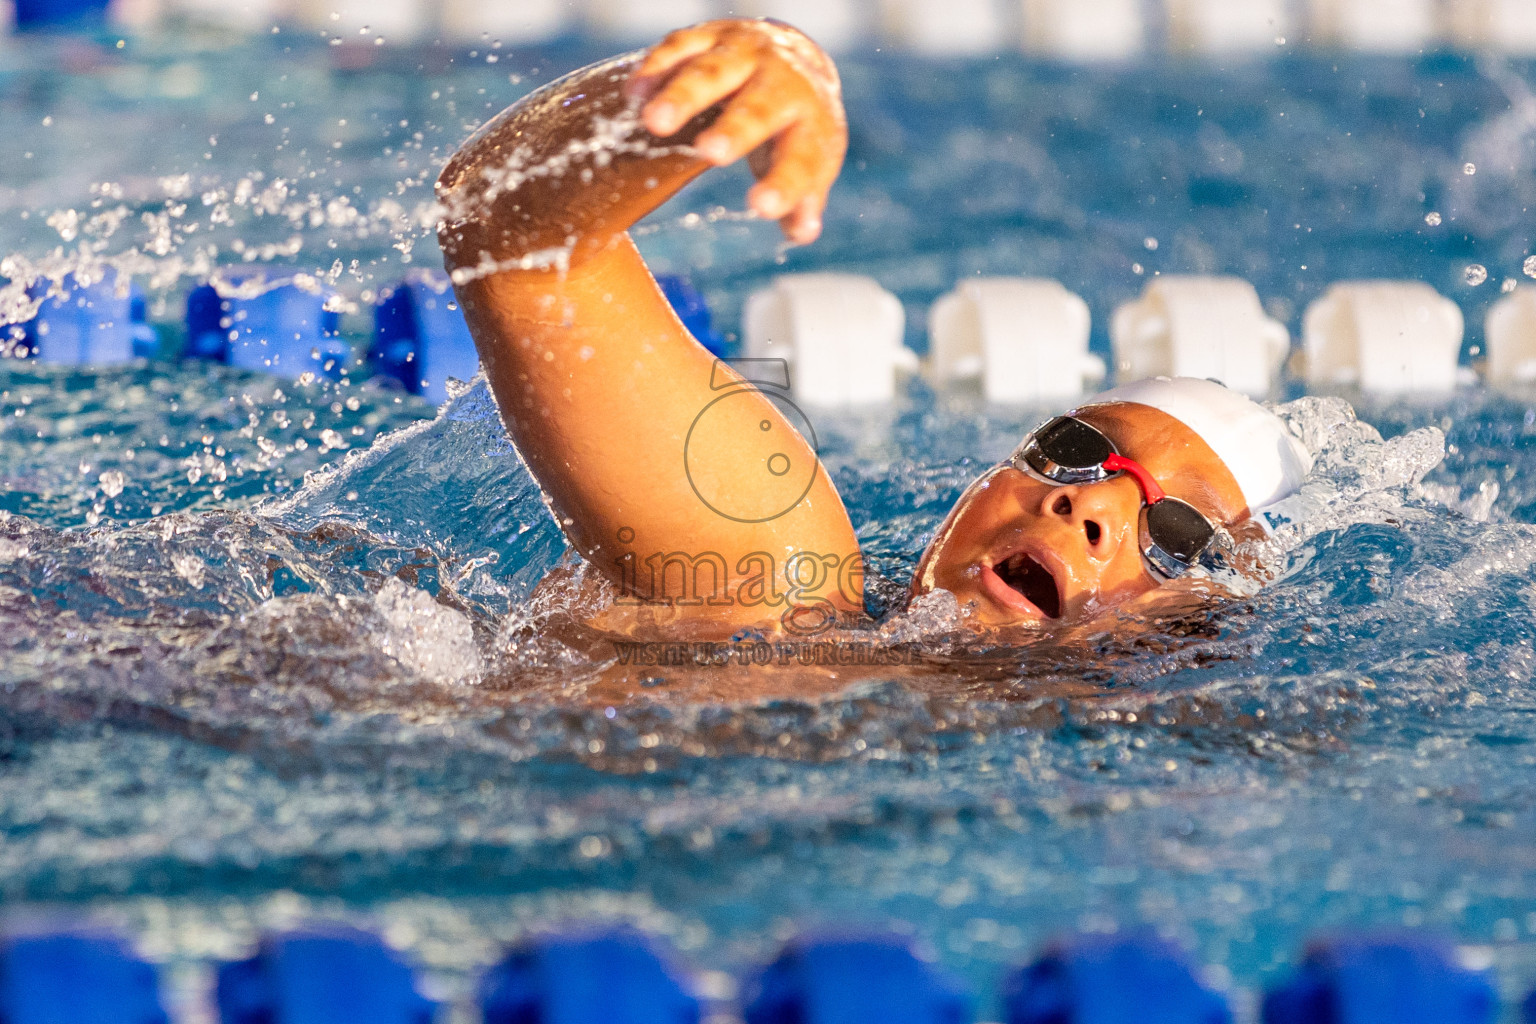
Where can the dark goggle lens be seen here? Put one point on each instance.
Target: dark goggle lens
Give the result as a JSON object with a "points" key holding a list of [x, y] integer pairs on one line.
{"points": [[1070, 444], [1179, 530], [1174, 534]]}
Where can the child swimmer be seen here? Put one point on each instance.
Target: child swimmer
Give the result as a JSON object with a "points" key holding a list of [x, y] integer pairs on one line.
{"points": [[709, 525]]}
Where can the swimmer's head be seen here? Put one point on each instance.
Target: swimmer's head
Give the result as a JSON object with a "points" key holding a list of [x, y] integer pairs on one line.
{"points": [[1019, 546]]}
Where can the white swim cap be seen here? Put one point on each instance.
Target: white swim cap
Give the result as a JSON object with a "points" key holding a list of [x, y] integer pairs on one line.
{"points": [[1267, 462]]}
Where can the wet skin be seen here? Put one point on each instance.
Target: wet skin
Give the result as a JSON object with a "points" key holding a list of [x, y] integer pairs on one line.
{"points": [[601, 386], [1016, 549]]}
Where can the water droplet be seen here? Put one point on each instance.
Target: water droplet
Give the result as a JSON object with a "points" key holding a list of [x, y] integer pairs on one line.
{"points": [[1469, 168], [1150, 243], [1476, 274], [1530, 266], [1432, 218]]}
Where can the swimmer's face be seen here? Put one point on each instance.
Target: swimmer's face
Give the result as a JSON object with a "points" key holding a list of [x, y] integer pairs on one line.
{"points": [[1017, 549]]}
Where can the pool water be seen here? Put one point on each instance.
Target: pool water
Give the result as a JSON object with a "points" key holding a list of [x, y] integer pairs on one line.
{"points": [[268, 649]]}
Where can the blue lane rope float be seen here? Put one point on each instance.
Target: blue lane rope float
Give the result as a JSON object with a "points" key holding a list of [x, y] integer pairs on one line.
{"points": [[75, 978], [863, 980], [89, 324], [1111, 979], [51, 14], [336, 975], [689, 305], [321, 976], [284, 330], [1392, 980], [420, 338], [613, 977]]}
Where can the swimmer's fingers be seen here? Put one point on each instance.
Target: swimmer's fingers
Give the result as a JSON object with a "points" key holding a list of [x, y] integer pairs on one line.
{"points": [[802, 225], [701, 82], [666, 55], [805, 160], [781, 103], [753, 116]]}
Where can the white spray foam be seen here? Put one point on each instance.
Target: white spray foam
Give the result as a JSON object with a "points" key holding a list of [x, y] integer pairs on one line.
{"points": [[435, 642], [934, 614], [1503, 550], [1356, 477]]}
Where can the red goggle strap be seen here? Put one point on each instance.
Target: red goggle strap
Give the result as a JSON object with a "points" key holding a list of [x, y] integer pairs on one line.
{"points": [[1149, 488]]}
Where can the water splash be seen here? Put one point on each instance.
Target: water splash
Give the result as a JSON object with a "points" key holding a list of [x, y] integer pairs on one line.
{"points": [[1357, 477], [205, 695]]}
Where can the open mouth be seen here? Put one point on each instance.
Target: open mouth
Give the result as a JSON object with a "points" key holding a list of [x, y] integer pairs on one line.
{"points": [[1023, 574]]}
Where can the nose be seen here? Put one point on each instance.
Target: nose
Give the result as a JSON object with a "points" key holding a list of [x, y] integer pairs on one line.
{"points": [[1095, 510]]}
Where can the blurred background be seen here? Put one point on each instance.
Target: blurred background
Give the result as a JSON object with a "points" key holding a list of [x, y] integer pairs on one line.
{"points": [[266, 649], [1106, 29]]}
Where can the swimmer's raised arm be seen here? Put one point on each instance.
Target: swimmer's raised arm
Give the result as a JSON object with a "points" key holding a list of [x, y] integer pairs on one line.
{"points": [[614, 407]]}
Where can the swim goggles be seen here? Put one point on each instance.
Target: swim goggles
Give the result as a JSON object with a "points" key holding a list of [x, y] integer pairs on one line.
{"points": [[1173, 533]]}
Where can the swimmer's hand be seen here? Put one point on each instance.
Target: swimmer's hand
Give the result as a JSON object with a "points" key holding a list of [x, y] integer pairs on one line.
{"points": [[781, 105]]}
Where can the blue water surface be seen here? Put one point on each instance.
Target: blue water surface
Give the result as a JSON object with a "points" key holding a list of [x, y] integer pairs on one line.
{"points": [[268, 650]]}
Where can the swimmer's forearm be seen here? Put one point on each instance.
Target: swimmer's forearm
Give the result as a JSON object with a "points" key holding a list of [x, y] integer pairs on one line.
{"points": [[599, 383], [557, 175]]}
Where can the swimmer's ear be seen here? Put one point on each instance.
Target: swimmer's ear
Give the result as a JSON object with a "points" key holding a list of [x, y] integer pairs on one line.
{"points": [[1241, 549], [1247, 530]]}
